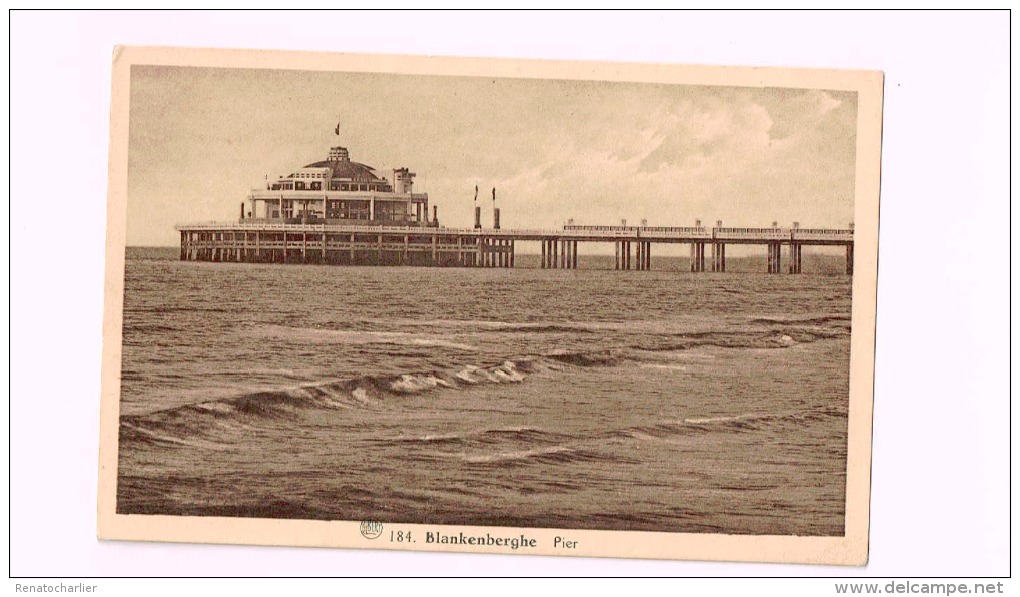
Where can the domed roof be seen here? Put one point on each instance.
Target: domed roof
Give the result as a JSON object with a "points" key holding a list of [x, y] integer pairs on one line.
{"points": [[347, 170]]}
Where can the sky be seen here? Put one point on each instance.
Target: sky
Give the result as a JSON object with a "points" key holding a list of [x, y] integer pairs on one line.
{"points": [[593, 151]]}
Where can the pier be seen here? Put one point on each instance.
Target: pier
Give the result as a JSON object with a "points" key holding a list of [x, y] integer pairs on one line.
{"points": [[338, 211], [254, 241]]}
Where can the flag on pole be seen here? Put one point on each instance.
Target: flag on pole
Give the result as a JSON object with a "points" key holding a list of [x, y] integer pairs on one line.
{"points": [[493, 194], [476, 193]]}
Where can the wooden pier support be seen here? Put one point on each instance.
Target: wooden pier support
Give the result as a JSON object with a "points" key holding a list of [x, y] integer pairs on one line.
{"points": [[850, 259], [794, 253], [775, 258], [698, 257], [568, 259], [718, 257]]}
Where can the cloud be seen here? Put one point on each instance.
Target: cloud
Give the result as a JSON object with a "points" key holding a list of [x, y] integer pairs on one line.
{"points": [[721, 157]]}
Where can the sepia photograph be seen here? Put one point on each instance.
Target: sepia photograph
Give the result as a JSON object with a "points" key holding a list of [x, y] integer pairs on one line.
{"points": [[490, 305]]}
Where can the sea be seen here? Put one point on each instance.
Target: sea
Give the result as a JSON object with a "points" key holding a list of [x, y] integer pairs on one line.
{"points": [[576, 399]]}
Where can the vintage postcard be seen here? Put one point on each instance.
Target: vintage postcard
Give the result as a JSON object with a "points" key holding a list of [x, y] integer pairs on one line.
{"points": [[499, 306]]}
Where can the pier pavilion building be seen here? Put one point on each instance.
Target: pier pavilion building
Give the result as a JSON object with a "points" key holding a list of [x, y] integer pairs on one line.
{"points": [[340, 191]]}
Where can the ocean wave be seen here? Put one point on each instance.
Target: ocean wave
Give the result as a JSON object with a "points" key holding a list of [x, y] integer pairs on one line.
{"points": [[548, 455], [351, 337], [140, 434], [365, 392], [668, 430], [839, 319], [484, 438]]}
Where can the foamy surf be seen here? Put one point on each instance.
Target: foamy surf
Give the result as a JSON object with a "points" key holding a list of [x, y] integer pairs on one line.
{"points": [[551, 452], [669, 367], [411, 384], [360, 395], [709, 420]]}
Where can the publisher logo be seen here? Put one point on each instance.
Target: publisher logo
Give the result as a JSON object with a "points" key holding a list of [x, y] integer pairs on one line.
{"points": [[371, 529]]}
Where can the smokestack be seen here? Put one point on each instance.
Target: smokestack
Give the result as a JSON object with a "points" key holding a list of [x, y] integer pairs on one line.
{"points": [[478, 217], [242, 210], [697, 223], [435, 215], [495, 218], [718, 223]]}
